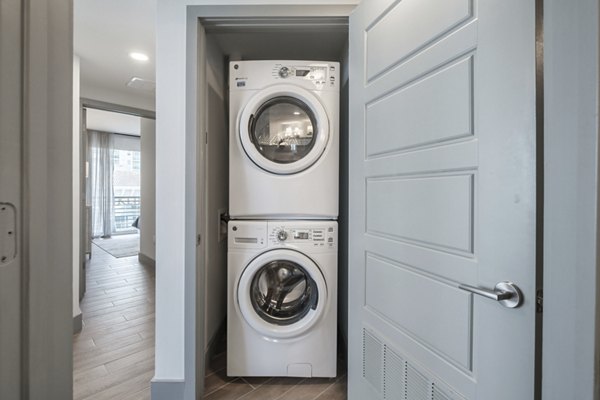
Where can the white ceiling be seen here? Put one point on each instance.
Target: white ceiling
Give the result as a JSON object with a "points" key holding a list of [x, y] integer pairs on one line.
{"points": [[105, 32]]}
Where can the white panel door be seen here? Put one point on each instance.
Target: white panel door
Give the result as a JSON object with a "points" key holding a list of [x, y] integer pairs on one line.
{"points": [[442, 193], [10, 199]]}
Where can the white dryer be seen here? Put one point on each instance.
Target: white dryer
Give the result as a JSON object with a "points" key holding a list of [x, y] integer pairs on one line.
{"points": [[282, 298], [284, 139]]}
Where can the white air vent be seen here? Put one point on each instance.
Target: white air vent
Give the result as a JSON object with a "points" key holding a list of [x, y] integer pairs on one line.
{"points": [[417, 385], [440, 394], [372, 359], [397, 378], [393, 375], [141, 84]]}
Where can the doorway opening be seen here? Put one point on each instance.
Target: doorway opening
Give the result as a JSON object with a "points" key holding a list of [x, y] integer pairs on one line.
{"points": [[224, 40], [114, 349]]}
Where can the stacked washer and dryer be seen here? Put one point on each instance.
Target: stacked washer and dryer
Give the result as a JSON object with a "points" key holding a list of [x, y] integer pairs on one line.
{"points": [[283, 205]]}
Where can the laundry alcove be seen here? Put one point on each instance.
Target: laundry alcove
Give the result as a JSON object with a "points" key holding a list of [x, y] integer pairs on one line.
{"points": [[280, 33]]}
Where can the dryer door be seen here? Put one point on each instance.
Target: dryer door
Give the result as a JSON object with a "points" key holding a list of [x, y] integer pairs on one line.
{"points": [[281, 293], [284, 129]]}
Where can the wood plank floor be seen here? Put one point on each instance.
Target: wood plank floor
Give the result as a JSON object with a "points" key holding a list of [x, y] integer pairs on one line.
{"points": [[113, 356]]}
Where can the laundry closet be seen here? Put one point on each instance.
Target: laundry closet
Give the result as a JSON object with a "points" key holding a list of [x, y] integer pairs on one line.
{"points": [[226, 40]]}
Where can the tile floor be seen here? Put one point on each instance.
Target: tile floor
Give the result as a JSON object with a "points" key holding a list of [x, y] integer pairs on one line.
{"points": [[218, 386]]}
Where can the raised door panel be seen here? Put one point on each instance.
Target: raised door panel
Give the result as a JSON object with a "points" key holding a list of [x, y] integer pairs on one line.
{"points": [[442, 189]]}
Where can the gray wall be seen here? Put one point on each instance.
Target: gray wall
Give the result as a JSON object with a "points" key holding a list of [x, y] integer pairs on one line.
{"points": [[343, 217], [570, 339], [76, 190], [48, 188], [217, 193], [148, 189]]}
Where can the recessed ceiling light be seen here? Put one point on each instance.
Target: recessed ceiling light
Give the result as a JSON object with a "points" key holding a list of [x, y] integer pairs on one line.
{"points": [[296, 112], [139, 56]]}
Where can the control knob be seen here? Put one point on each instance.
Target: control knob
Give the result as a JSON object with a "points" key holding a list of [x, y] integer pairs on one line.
{"points": [[284, 72], [282, 235]]}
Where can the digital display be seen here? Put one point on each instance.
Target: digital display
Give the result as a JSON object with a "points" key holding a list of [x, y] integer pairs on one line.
{"points": [[302, 72], [301, 235]]}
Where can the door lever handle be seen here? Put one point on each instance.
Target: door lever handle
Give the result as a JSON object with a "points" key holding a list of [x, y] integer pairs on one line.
{"points": [[506, 293]]}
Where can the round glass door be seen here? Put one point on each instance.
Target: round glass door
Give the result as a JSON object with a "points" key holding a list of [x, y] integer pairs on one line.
{"points": [[281, 293], [284, 129]]}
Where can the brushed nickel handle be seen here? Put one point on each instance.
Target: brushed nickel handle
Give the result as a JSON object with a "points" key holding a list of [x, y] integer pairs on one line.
{"points": [[506, 293]]}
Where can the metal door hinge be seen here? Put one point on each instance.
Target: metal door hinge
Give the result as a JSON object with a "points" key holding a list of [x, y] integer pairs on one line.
{"points": [[539, 301], [8, 234], [198, 240], [206, 137]]}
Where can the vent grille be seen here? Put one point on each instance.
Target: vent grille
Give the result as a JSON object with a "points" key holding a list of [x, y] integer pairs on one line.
{"points": [[394, 377], [444, 394], [142, 84], [417, 386], [372, 360]]}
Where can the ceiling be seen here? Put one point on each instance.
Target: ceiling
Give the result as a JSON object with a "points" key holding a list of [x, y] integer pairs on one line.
{"points": [[105, 32]]}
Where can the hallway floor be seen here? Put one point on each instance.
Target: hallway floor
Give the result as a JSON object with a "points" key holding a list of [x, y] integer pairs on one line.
{"points": [[113, 356]]}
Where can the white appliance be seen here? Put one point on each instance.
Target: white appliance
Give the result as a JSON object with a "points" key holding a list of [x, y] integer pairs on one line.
{"points": [[284, 139], [282, 298]]}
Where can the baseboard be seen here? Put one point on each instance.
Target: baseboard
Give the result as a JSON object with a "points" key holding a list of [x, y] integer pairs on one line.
{"points": [[146, 260], [78, 323], [167, 389]]}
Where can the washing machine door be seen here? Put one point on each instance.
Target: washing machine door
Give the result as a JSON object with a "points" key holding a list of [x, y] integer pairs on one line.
{"points": [[284, 129], [281, 293]]}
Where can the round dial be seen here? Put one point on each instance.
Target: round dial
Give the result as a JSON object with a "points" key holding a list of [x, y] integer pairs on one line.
{"points": [[284, 72], [282, 235]]}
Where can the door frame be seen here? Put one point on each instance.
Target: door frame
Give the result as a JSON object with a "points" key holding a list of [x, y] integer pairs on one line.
{"points": [[571, 325], [47, 206], [560, 205], [191, 384]]}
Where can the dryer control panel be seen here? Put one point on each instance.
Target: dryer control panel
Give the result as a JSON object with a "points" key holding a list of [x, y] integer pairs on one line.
{"points": [[312, 75], [321, 75]]}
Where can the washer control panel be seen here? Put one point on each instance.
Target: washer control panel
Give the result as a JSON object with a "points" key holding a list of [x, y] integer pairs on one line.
{"points": [[303, 235], [321, 236]]}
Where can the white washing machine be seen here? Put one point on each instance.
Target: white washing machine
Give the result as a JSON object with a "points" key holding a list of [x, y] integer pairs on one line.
{"points": [[282, 298], [284, 139]]}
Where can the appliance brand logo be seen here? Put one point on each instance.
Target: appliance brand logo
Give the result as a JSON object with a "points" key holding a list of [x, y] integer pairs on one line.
{"points": [[240, 82]]}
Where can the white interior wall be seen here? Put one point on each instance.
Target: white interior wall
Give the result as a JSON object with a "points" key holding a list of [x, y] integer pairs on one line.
{"points": [[76, 185], [112, 96], [111, 121], [176, 193], [148, 188]]}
